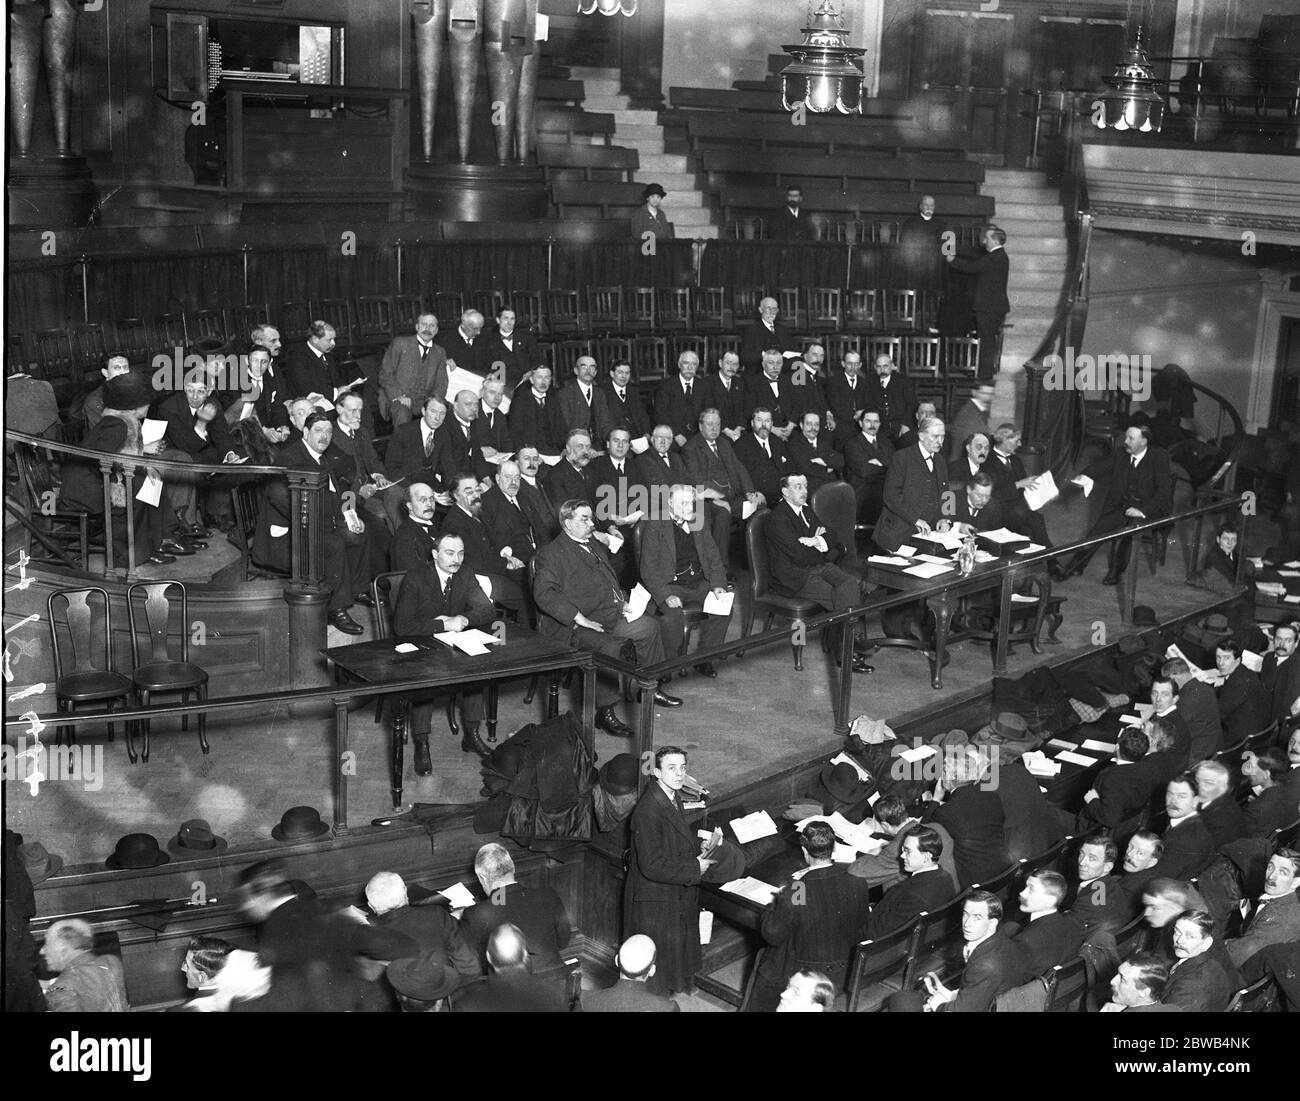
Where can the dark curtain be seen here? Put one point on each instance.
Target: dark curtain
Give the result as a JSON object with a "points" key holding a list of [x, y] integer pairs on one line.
{"points": [[623, 264], [43, 294], [136, 286], [468, 266], [772, 265]]}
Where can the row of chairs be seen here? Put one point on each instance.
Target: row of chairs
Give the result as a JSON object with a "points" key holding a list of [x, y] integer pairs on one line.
{"points": [[846, 231]]}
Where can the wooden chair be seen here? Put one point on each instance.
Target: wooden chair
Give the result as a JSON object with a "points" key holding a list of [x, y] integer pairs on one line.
{"points": [[673, 309], [961, 356], [921, 356], [206, 325], [489, 303], [174, 333], [138, 339], [295, 321], [838, 345], [708, 309], [564, 312], [565, 355], [744, 303], [878, 963], [448, 305], [530, 312], [342, 316], [1247, 998], [933, 931], [862, 311], [649, 356], [246, 502], [760, 586], [1004, 884], [52, 533], [1067, 990], [824, 309], [639, 309], [159, 671], [900, 310], [686, 342], [605, 309], [244, 319], [790, 302], [891, 346], [84, 665], [405, 310], [375, 318], [837, 504]]}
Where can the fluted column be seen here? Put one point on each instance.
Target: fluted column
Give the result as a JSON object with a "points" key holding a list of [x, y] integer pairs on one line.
{"points": [[466, 33], [500, 43], [430, 27]]}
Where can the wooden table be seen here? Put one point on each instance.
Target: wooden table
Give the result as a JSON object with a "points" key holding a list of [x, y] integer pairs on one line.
{"points": [[943, 603], [1276, 609], [438, 666]]}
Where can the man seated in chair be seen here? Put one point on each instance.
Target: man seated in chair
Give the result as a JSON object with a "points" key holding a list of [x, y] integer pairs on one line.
{"points": [[680, 566], [538, 912], [1097, 900], [926, 887], [711, 462], [1048, 937], [802, 555], [811, 454], [580, 602], [442, 596], [763, 455], [975, 509], [1139, 985], [866, 458], [505, 570], [1244, 706]]}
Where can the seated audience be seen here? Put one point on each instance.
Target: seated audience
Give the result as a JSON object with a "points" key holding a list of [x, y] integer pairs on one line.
{"points": [[891, 819], [1276, 786], [636, 965], [1098, 900], [1244, 706], [973, 816], [1198, 980], [807, 992], [1141, 866], [536, 912], [84, 982], [1049, 937], [510, 987], [925, 886], [1188, 844], [1198, 708], [1139, 985], [416, 535]]}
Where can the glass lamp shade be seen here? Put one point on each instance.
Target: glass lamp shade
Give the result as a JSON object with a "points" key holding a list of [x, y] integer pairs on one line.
{"points": [[825, 75], [1130, 101]]}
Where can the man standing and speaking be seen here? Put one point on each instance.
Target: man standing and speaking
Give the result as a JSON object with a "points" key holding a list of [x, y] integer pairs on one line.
{"points": [[989, 302]]}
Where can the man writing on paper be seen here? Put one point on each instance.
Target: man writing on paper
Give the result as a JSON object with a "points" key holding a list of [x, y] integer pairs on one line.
{"points": [[681, 566], [812, 924], [435, 597], [580, 602]]}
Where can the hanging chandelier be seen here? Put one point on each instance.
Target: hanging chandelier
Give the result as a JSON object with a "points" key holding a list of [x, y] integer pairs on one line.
{"points": [[824, 76], [1130, 102], [608, 7]]}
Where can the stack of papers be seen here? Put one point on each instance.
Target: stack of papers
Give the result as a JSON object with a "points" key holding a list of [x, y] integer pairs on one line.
{"points": [[1033, 548], [1288, 573], [473, 642], [753, 889], [1271, 588], [753, 826], [934, 558], [949, 540], [888, 560], [1039, 764], [1076, 758], [458, 895], [929, 569], [856, 837], [1001, 535]]}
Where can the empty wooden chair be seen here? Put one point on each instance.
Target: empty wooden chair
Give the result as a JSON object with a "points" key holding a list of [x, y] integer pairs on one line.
{"points": [[156, 670]]}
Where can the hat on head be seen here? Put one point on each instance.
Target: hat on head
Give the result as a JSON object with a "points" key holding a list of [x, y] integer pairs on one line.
{"points": [[618, 775], [843, 782], [653, 189], [426, 978], [40, 864], [137, 850], [128, 391], [1144, 616], [299, 824], [195, 838]]}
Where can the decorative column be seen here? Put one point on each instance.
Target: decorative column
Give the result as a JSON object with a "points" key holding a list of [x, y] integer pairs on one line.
{"points": [[466, 31], [430, 19]]}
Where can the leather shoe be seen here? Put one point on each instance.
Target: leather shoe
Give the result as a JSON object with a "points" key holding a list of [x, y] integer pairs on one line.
{"points": [[162, 559], [470, 742], [663, 699], [1110, 579], [365, 600], [423, 765], [608, 721], [345, 623], [169, 546], [193, 541], [706, 670], [860, 665]]}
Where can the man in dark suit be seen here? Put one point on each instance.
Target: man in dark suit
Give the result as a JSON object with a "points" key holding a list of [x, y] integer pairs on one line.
{"points": [[510, 986], [661, 893], [636, 966], [435, 597], [418, 930], [972, 416], [535, 415], [380, 499], [416, 534], [1274, 916], [1141, 488], [1030, 825], [580, 602], [925, 888], [1203, 977], [763, 456], [466, 346], [513, 348], [920, 241], [767, 332], [660, 467], [504, 569], [814, 923], [314, 367], [457, 448], [1278, 785], [1009, 482], [1188, 844], [974, 508], [892, 395], [1141, 866], [1098, 900], [1218, 805], [619, 503], [582, 402], [971, 459], [343, 562], [626, 409], [491, 427], [1048, 937], [1280, 674], [414, 368], [1138, 986], [413, 448], [680, 566], [261, 394], [777, 393], [790, 223], [544, 518], [1244, 706], [914, 486], [810, 454], [989, 302], [994, 965], [509, 522], [1122, 792], [567, 480], [679, 400], [728, 393], [537, 912], [973, 816], [711, 463], [1198, 707], [867, 456], [847, 397], [197, 431]]}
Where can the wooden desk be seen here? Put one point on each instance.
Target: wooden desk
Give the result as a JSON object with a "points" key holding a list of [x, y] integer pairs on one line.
{"points": [[943, 603], [1275, 609], [438, 666]]}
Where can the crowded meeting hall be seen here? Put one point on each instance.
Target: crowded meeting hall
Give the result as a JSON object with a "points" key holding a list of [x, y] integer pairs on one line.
{"points": [[520, 509]]}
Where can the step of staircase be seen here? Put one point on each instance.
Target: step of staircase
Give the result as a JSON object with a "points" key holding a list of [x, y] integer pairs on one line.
{"points": [[633, 135], [591, 72], [603, 86], [677, 182], [1047, 196], [664, 162], [1007, 211]]}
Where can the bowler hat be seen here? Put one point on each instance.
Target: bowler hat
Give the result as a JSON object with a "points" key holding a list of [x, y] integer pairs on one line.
{"points": [[1216, 622], [653, 189], [195, 838], [426, 978], [618, 775], [1006, 726], [299, 824], [128, 391], [40, 864], [843, 782], [137, 850], [1144, 616]]}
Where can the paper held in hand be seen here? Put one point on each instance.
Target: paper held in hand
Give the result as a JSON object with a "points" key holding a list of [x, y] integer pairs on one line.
{"points": [[151, 431], [459, 896], [150, 491], [747, 509], [1041, 491], [637, 601], [719, 605]]}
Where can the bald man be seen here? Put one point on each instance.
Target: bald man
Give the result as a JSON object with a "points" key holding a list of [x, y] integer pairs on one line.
{"points": [[636, 964], [510, 988]]}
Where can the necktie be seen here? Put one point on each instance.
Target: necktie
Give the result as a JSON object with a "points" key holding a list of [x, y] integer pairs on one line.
{"points": [[766, 450], [442, 584], [586, 396], [853, 382], [871, 440], [428, 445], [667, 461], [541, 403], [618, 468], [424, 352], [622, 394], [929, 463], [713, 446], [1135, 463], [974, 512], [688, 391]]}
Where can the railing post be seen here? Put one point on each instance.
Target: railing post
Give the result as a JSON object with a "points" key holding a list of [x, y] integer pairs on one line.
{"points": [[305, 594], [106, 472], [244, 251], [84, 261], [399, 247]]}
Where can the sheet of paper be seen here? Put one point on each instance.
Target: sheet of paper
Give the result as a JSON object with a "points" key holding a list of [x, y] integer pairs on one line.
{"points": [[151, 431], [753, 826], [845, 759], [1293, 565], [1060, 743], [949, 540], [1033, 548], [1085, 483], [888, 560], [719, 605], [1039, 764], [1076, 758], [484, 583], [459, 896], [1271, 588], [245, 411], [929, 569], [1252, 661], [150, 491], [459, 379], [1101, 747], [857, 835], [1021, 598], [1258, 563], [551, 460], [637, 600], [753, 889], [616, 542], [843, 854], [350, 386], [706, 926], [1288, 573], [455, 640], [278, 531], [917, 753], [323, 404], [406, 648], [1132, 720], [640, 445], [905, 551], [1001, 535], [1291, 599], [1041, 491], [747, 509], [935, 559]]}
